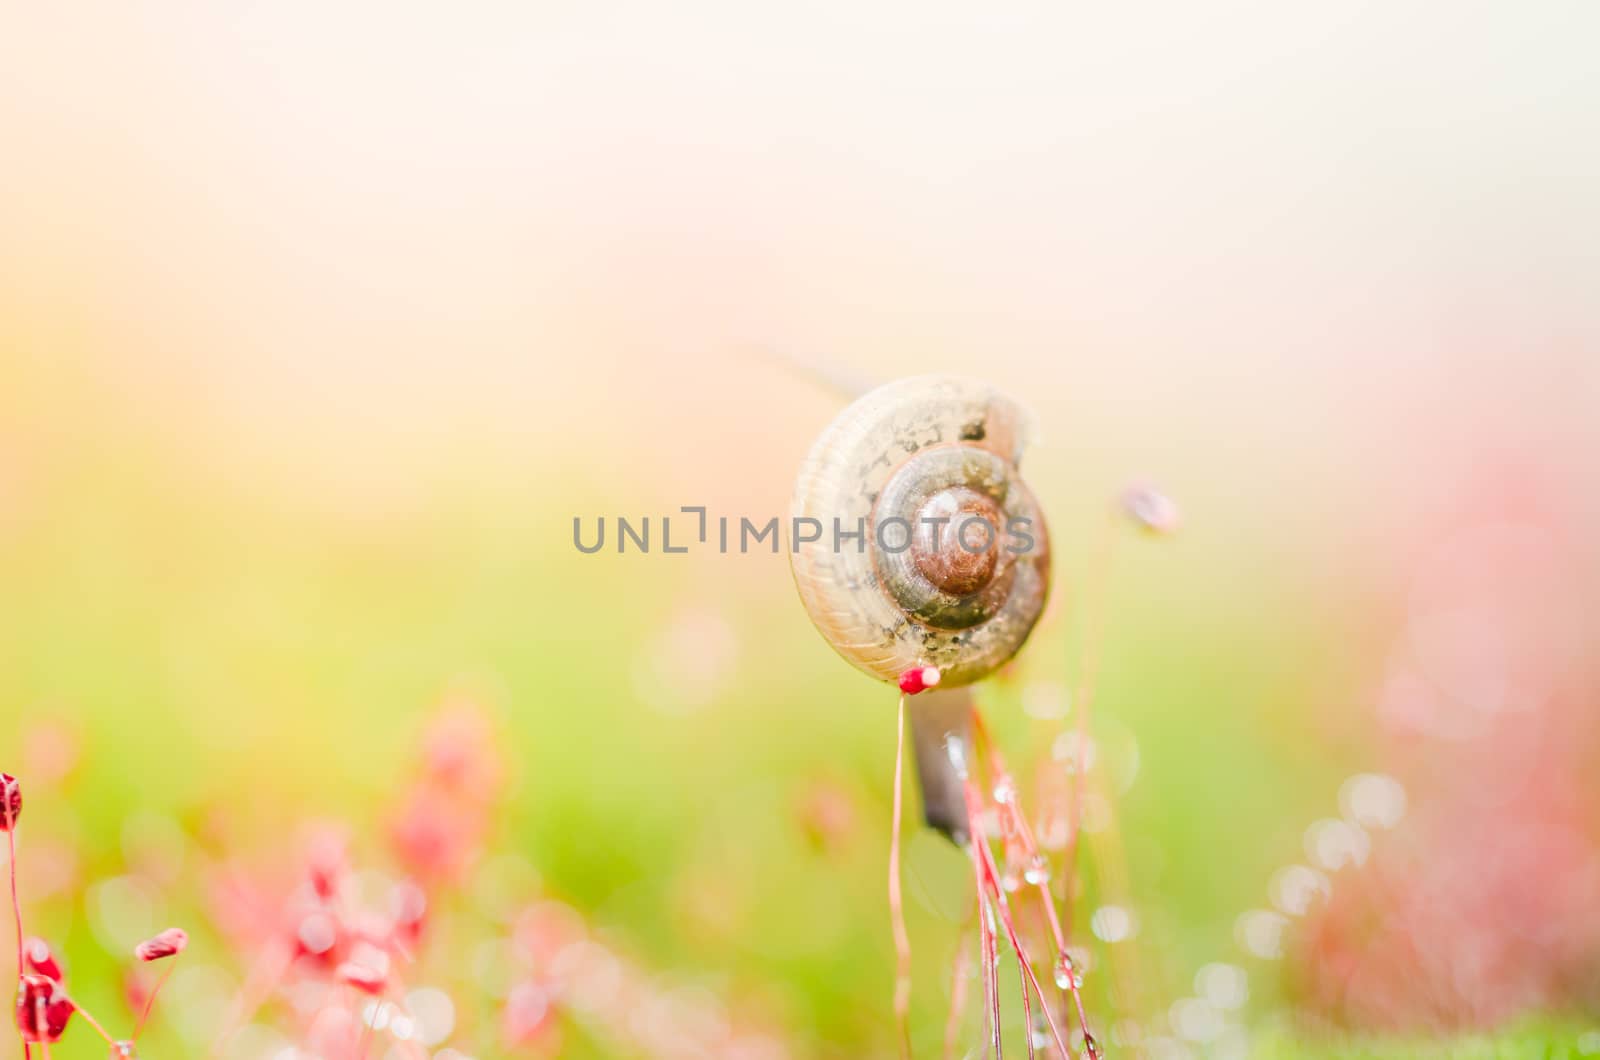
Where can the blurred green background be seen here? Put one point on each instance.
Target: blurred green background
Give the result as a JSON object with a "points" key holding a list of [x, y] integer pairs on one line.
{"points": [[691, 766]]}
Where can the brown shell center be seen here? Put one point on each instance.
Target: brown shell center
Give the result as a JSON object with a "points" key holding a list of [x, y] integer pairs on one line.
{"points": [[956, 540]]}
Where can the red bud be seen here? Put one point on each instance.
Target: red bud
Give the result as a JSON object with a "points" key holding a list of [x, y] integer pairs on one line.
{"points": [[42, 1010], [167, 944], [10, 802], [37, 959], [919, 679]]}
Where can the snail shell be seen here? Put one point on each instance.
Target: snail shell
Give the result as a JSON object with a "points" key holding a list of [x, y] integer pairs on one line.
{"points": [[915, 591]]}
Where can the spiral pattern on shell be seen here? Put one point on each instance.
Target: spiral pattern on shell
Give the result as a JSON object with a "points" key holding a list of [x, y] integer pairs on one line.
{"points": [[954, 566]]}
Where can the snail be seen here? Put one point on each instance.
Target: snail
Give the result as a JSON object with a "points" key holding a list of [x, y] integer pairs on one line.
{"points": [[929, 549], [922, 557]]}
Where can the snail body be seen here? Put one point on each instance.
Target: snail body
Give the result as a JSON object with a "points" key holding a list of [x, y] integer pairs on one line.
{"points": [[929, 549]]}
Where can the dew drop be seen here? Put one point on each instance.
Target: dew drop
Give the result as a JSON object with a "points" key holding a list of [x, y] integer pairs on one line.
{"points": [[1037, 872], [1068, 977]]}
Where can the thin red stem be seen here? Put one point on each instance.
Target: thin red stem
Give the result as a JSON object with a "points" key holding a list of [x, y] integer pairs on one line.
{"points": [[989, 877], [16, 901], [270, 967], [987, 946], [897, 912], [991, 959], [91, 1021], [1027, 1006], [1025, 961], [16, 905], [1017, 825], [150, 1002]]}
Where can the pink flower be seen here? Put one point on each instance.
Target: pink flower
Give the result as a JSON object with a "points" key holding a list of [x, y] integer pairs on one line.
{"points": [[327, 861], [460, 752], [409, 905], [167, 944], [316, 936], [367, 969], [527, 1016]]}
